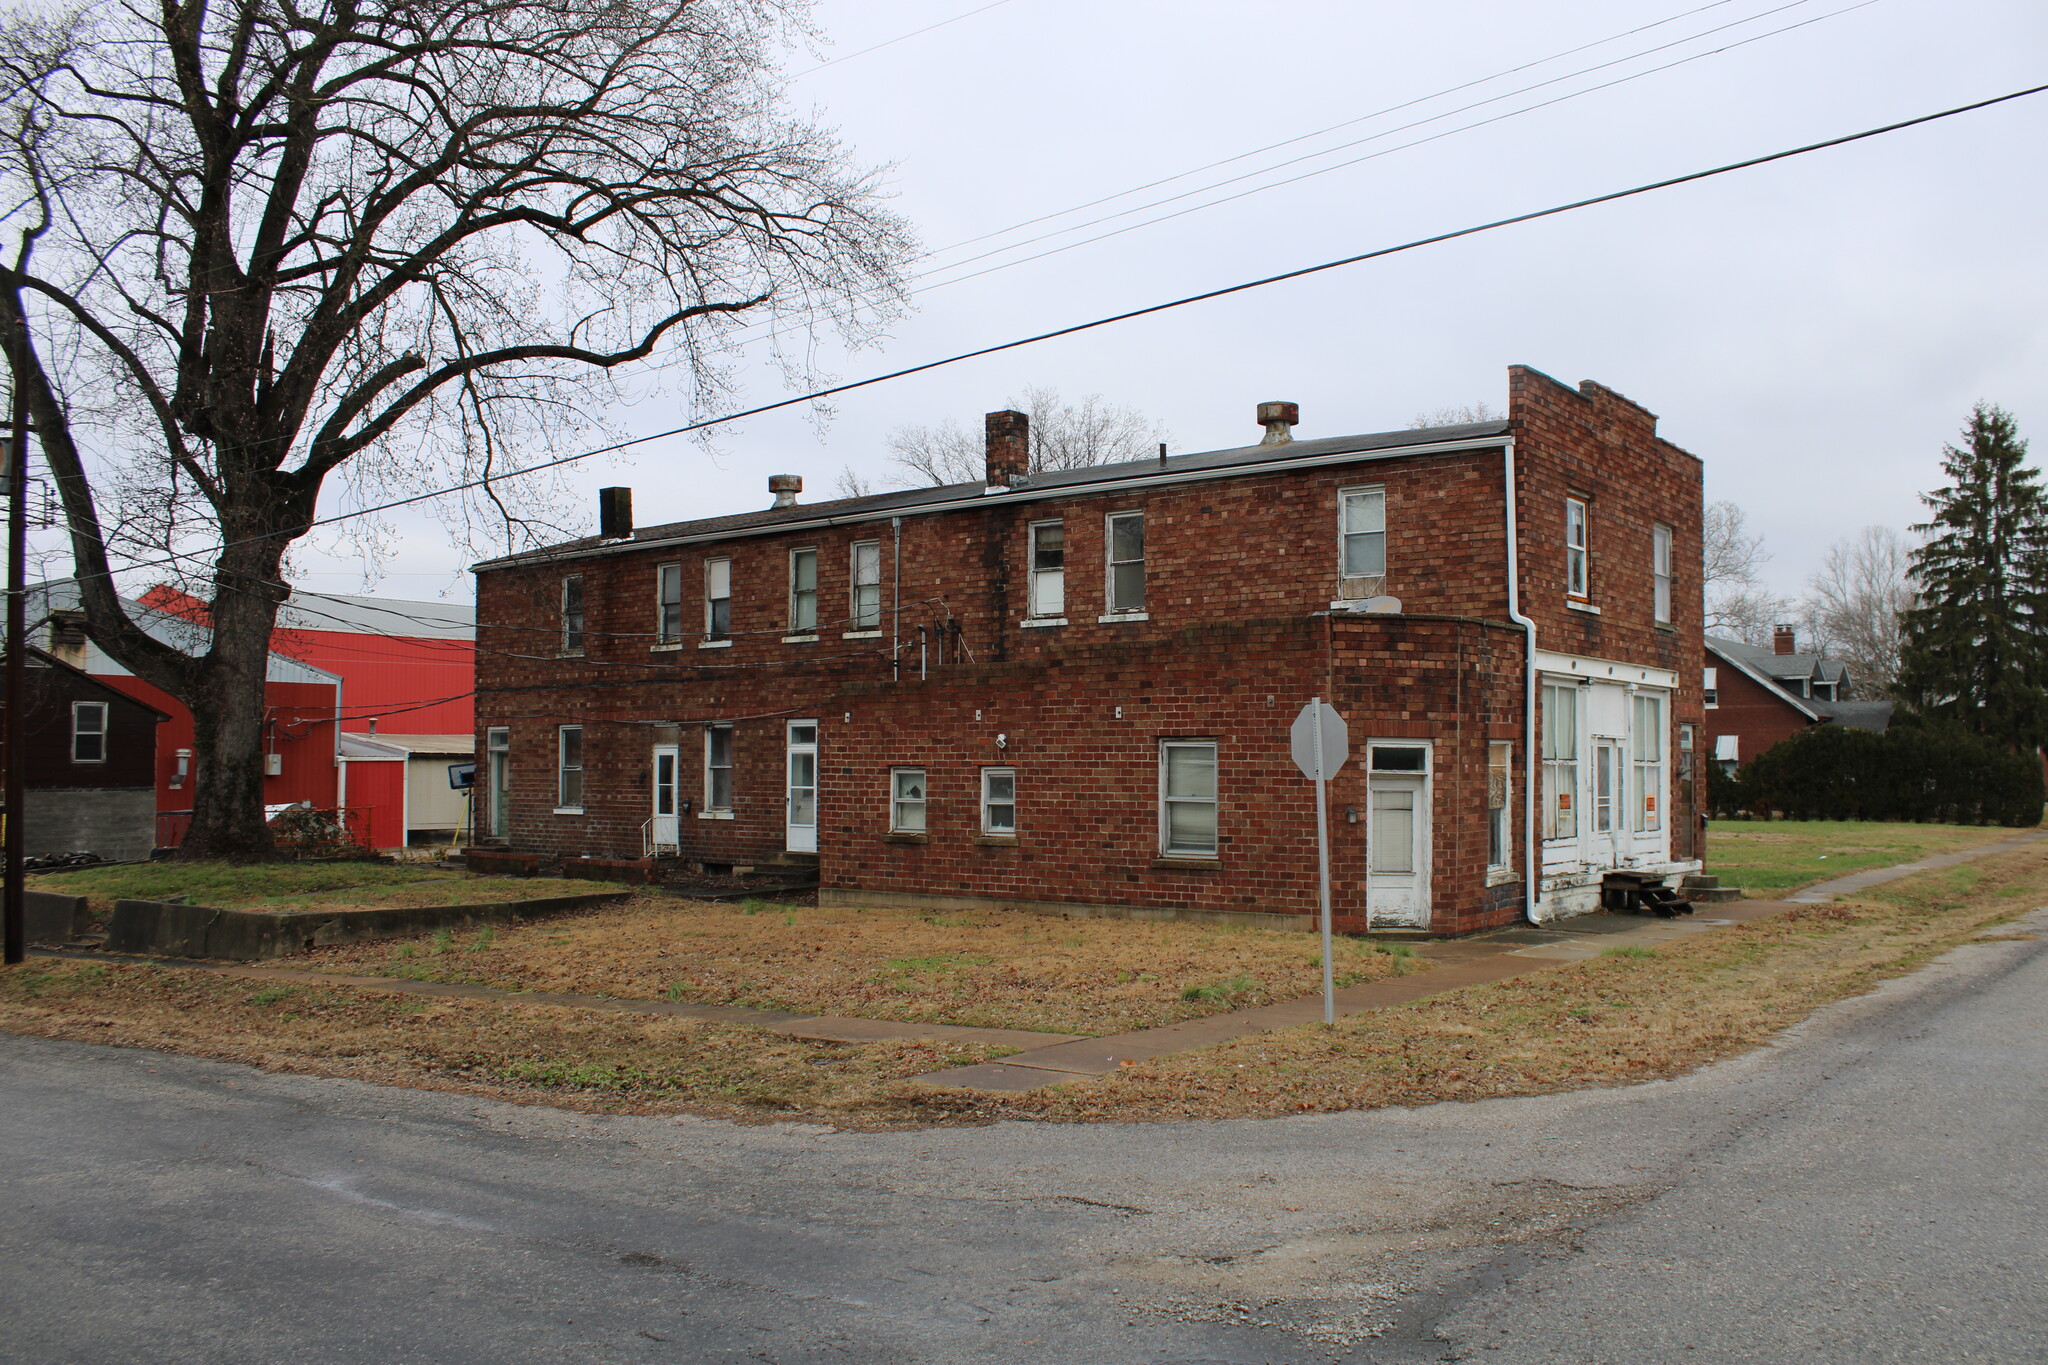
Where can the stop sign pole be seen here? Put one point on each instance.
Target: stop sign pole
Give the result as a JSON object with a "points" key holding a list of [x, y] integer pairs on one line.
{"points": [[1320, 741]]}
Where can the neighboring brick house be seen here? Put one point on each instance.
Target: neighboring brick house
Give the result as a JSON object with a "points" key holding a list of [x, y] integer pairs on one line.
{"points": [[1756, 697], [1072, 690], [89, 764]]}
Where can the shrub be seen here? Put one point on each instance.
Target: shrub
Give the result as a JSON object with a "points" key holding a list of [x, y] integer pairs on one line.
{"points": [[1926, 774]]}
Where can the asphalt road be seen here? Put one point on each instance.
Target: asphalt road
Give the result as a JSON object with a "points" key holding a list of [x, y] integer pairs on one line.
{"points": [[1871, 1189]]}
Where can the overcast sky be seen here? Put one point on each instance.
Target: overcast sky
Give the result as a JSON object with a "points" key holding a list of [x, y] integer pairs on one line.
{"points": [[1813, 330]]}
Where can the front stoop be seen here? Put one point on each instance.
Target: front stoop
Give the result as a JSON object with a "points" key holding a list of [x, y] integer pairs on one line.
{"points": [[1702, 889]]}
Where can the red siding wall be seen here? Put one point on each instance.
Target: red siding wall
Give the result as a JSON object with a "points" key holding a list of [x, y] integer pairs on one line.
{"points": [[301, 730], [411, 685]]}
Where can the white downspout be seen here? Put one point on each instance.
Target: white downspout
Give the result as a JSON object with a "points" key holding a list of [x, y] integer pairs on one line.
{"points": [[1531, 845]]}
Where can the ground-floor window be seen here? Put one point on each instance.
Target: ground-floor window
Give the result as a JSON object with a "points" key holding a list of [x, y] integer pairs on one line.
{"points": [[1647, 739], [906, 801], [569, 770], [1560, 761], [998, 800], [1499, 808], [1187, 798], [717, 767]]}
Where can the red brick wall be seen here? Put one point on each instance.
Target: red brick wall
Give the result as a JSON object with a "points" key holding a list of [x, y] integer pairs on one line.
{"points": [[1759, 715]]}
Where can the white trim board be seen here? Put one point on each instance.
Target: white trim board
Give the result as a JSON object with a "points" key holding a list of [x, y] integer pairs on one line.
{"points": [[1604, 670]]}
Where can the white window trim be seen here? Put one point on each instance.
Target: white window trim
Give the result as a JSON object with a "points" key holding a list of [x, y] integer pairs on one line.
{"points": [[582, 614], [855, 628], [1545, 763], [923, 803], [1166, 850], [988, 830], [1660, 766], [1584, 549], [562, 770], [1344, 495], [1112, 612], [1662, 583], [106, 725], [663, 638], [714, 641], [1032, 616], [1507, 813], [800, 630]]}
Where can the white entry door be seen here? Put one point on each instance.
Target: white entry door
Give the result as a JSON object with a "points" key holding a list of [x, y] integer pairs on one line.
{"points": [[1397, 834], [664, 830], [802, 818], [1610, 802]]}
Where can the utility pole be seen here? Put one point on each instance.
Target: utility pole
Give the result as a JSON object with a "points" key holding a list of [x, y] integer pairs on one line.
{"points": [[11, 901]]}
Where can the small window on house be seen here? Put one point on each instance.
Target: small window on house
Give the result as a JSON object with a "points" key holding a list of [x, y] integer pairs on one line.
{"points": [[998, 800], [718, 767], [1187, 798], [803, 591], [88, 732], [1575, 568], [1728, 753], [866, 576], [718, 599], [1499, 818], [569, 770], [1560, 761], [906, 800], [1048, 568], [1660, 573], [1647, 745], [668, 603], [572, 614], [1710, 685], [1362, 533], [1126, 587]]}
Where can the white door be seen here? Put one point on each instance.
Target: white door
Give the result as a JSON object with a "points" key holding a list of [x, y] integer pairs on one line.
{"points": [[802, 819], [1397, 835], [1610, 802], [664, 830]]}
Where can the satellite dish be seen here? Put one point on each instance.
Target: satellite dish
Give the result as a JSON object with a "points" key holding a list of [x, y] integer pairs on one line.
{"points": [[1376, 606]]}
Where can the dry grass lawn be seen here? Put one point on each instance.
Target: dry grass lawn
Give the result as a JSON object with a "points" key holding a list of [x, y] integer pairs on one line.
{"points": [[1767, 858], [309, 887], [576, 1059], [987, 969]]}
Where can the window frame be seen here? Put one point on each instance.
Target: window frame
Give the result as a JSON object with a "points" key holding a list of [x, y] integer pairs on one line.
{"points": [[714, 628], [989, 828], [1112, 599], [1376, 493], [497, 766], [1578, 556], [860, 618], [564, 770], [899, 803], [1500, 824], [1214, 801], [713, 768], [1035, 576], [1560, 770], [668, 603], [1660, 574], [576, 621], [106, 716], [1647, 769], [1710, 688], [803, 601]]}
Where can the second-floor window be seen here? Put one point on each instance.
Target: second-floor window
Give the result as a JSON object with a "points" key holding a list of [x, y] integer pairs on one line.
{"points": [[1575, 567], [1126, 586], [572, 614], [1362, 532], [668, 603], [717, 599], [1049, 568], [866, 577], [1660, 572], [803, 591], [88, 732]]}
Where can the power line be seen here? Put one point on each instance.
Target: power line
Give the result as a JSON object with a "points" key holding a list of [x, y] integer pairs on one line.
{"points": [[1147, 311], [901, 37]]}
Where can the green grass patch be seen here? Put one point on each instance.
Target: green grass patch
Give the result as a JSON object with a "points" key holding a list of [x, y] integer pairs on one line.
{"points": [[1765, 857]]}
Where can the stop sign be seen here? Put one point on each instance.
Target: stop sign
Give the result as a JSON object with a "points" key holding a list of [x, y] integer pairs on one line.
{"points": [[1319, 723]]}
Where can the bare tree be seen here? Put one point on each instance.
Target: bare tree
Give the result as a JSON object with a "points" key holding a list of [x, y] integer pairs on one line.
{"points": [[258, 244], [1455, 416], [1063, 436], [1739, 606], [1855, 605], [853, 484]]}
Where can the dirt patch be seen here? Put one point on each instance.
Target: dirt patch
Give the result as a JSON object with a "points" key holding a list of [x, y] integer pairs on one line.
{"points": [[312, 888], [990, 969]]}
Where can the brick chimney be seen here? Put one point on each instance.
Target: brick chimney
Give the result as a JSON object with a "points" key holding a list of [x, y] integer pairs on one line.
{"points": [[1783, 641], [785, 487], [1009, 448], [1276, 418]]}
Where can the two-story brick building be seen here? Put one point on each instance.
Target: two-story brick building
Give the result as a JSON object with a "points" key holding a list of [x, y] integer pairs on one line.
{"points": [[1072, 690]]}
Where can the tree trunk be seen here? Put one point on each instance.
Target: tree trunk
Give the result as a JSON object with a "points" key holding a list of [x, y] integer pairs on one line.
{"points": [[229, 712]]}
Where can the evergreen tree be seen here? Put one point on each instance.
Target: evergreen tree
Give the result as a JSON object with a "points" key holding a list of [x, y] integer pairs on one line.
{"points": [[1976, 648]]}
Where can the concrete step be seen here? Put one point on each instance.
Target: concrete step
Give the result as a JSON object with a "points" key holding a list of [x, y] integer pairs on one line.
{"points": [[1699, 881], [1713, 895]]}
